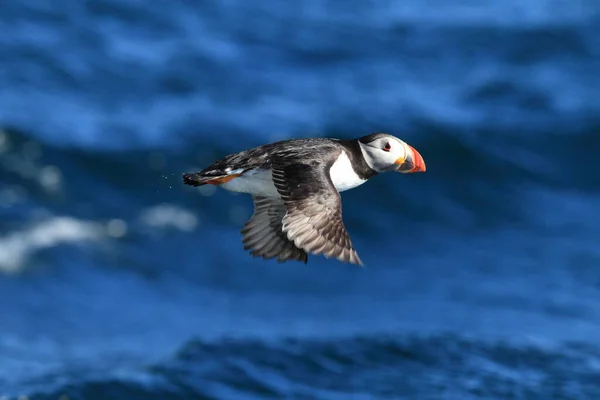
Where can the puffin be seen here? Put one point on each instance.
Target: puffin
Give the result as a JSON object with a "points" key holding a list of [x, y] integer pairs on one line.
{"points": [[295, 185]]}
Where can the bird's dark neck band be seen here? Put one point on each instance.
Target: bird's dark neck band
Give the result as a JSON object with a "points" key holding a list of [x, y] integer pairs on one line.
{"points": [[357, 159]]}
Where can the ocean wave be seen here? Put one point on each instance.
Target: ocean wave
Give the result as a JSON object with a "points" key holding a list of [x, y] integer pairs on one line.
{"points": [[105, 104], [442, 366], [271, 74]]}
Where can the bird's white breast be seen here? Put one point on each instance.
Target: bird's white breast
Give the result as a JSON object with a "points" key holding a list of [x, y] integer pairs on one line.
{"points": [[343, 175], [260, 182]]}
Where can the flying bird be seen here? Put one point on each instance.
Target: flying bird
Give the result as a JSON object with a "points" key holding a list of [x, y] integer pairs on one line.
{"points": [[295, 185]]}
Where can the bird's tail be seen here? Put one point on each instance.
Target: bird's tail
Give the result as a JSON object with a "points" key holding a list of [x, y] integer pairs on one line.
{"points": [[199, 179], [196, 179]]}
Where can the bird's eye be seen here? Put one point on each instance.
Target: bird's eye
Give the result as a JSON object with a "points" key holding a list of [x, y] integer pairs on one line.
{"points": [[387, 146]]}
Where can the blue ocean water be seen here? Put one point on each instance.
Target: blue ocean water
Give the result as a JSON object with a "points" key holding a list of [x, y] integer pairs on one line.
{"points": [[481, 278]]}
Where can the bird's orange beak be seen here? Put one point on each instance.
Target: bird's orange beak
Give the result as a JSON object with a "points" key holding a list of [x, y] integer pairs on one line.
{"points": [[412, 163]]}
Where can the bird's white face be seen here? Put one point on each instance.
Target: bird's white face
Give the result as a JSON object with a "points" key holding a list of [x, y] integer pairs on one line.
{"points": [[388, 153]]}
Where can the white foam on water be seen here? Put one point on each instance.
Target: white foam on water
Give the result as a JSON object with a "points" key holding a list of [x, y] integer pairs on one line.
{"points": [[17, 247], [169, 216]]}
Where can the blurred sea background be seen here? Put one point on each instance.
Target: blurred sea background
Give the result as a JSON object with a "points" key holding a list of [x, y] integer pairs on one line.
{"points": [[482, 276]]}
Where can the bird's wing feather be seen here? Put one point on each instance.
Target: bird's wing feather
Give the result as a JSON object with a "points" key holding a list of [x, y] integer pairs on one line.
{"points": [[313, 220], [263, 234]]}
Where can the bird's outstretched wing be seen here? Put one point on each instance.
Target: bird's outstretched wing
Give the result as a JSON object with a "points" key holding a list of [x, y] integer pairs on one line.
{"points": [[313, 219], [263, 234]]}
